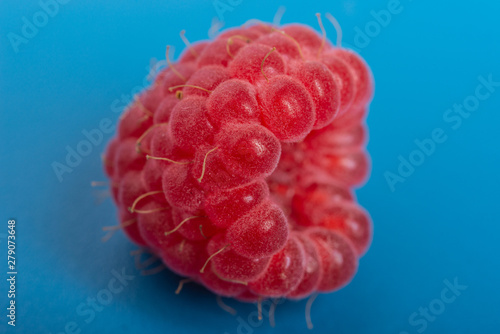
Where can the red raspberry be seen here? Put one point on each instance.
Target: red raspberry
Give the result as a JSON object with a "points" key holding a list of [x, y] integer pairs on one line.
{"points": [[237, 166]]}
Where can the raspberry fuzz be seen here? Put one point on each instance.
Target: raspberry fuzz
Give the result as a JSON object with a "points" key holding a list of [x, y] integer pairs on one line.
{"points": [[237, 165]]}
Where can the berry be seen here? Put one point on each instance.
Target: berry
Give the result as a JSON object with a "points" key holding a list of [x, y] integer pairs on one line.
{"points": [[193, 225], [175, 76], [249, 64], [207, 78], [312, 269], [129, 189], [344, 77], [342, 139], [287, 108], [362, 76], [164, 110], [109, 157], [349, 168], [151, 178], [284, 273], [135, 121], [347, 219], [237, 166], [231, 266], [338, 259], [152, 226], [309, 41], [131, 229], [189, 125], [127, 158], [233, 101], [248, 150], [287, 46], [323, 89], [211, 173], [184, 257], [216, 53], [262, 232], [151, 98], [220, 286], [181, 190], [225, 206]]}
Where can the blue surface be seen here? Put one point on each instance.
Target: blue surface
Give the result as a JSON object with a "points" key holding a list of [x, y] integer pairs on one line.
{"points": [[440, 224]]}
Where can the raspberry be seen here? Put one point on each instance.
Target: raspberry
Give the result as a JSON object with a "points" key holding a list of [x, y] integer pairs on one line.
{"points": [[152, 226], [287, 108], [237, 165], [284, 273], [189, 125], [233, 266], [225, 206], [248, 150], [312, 269], [261, 232], [320, 83], [338, 260], [249, 64], [233, 101]]}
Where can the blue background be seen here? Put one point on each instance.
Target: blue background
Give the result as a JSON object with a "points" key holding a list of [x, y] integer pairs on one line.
{"points": [[440, 224]]}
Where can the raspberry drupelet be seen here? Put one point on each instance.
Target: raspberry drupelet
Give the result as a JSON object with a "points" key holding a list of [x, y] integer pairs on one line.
{"points": [[237, 166]]}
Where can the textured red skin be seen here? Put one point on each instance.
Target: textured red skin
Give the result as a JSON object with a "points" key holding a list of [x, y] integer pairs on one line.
{"points": [[284, 273], [130, 187], [181, 190], [171, 78], [127, 158], [191, 228], [252, 35], [265, 152], [216, 175], [133, 123], [260, 233], [247, 65], [221, 287], [184, 257], [344, 76], [312, 200], [338, 259], [260, 29], [232, 266], [286, 46], [248, 150], [151, 98], [349, 220], [152, 226], [109, 157], [312, 269], [347, 120], [325, 93], [225, 206], [233, 101], [287, 108], [164, 110], [362, 75], [309, 40], [131, 230], [343, 139], [208, 77], [349, 168], [189, 125], [216, 53], [192, 54], [151, 179], [163, 147]]}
